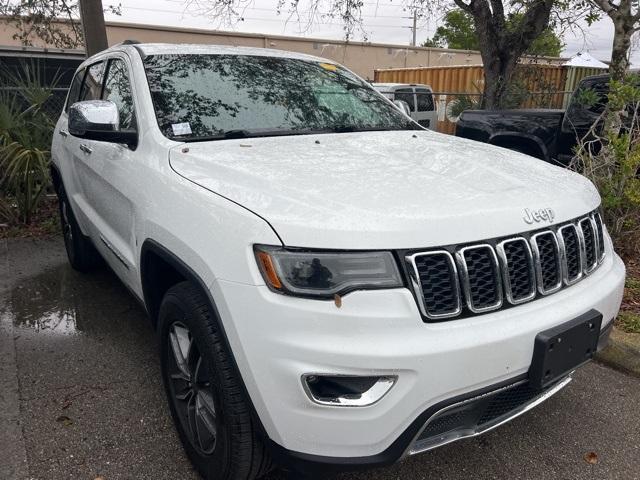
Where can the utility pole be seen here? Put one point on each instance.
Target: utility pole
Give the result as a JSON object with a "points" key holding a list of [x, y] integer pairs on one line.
{"points": [[93, 28], [414, 28]]}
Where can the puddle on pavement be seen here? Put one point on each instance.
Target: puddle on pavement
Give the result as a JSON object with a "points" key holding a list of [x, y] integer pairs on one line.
{"points": [[60, 301]]}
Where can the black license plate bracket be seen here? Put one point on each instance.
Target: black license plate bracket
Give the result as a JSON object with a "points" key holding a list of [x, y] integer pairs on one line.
{"points": [[561, 349]]}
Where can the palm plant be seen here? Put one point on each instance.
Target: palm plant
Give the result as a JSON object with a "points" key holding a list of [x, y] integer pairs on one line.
{"points": [[25, 137]]}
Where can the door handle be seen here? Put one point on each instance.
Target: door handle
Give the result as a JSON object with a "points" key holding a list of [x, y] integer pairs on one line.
{"points": [[63, 133], [85, 149]]}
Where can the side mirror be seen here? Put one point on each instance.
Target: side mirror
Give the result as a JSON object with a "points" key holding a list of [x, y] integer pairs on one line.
{"points": [[403, 107], [99, 120]]}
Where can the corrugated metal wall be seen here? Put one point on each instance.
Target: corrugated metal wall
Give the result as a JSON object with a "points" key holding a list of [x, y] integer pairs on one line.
{"points": [[458, 79], [574, 75], [550, 86]]}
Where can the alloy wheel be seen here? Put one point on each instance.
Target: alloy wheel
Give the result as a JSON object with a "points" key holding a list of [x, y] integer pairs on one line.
{"points": [[191, 389]]}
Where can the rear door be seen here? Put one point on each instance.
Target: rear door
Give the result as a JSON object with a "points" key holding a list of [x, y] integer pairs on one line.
{"points": [[425, 114]]}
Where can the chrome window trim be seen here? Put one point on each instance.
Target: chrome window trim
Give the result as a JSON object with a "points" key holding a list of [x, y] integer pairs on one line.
{"points": [[502, 256], [538, 264], [417, 287], [589, 268], [466, 286], [565, 266]]}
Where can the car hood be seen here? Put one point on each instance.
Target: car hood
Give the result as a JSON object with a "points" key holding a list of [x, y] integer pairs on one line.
{"points": [[392, 189]]}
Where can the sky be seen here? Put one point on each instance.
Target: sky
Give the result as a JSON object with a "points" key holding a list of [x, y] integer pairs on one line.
{"points": [[385, 21]]}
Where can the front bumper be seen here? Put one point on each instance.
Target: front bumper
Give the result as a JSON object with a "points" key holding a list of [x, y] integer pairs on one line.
{"points": [[277, 339]]}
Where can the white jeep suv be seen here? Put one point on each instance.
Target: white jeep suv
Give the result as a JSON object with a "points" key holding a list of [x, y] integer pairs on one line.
{"points": [[333, 287]]}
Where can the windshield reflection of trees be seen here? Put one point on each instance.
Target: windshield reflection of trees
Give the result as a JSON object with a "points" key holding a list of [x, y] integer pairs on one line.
{"points": [[296, 94]]}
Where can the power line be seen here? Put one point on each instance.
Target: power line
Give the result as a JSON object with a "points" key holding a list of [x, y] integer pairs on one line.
{"points": [[263, 19]]}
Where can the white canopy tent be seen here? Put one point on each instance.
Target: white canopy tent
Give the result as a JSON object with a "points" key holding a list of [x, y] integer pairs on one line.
{"points": [[585, 59]]}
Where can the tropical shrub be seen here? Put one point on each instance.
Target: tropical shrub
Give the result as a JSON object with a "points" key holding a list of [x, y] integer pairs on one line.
{"points": [[25, 139]]}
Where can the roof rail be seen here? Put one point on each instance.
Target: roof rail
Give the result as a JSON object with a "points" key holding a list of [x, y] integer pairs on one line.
{"points": [[129, 42]]}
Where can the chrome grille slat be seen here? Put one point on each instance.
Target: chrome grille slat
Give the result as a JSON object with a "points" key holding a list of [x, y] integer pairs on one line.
{"points": [[482, 277], [573, 253], [434, 277], [600, 234], [547, 260], [518, 273], [589, 238]]}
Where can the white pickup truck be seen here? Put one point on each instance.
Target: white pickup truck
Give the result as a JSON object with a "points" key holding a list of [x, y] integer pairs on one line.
{"points": [[333, 286]]}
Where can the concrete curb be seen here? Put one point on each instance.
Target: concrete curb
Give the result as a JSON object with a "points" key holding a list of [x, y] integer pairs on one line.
{"points": [[623, 352]]}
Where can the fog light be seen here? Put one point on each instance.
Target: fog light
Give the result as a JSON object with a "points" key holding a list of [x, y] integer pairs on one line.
{"points": [[346, 390]]}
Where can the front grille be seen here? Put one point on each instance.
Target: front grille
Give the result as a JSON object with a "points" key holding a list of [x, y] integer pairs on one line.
{"points": [[480, 277], [547, 251], [599, 234], [519, 269], [438, 283], [590, 243], [570, 239]]}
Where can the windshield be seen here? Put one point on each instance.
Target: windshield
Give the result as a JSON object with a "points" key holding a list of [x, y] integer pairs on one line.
{"points": [[210, 97]]}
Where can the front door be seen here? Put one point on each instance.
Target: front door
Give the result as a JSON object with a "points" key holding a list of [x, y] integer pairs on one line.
{"points": [[105, 172]]}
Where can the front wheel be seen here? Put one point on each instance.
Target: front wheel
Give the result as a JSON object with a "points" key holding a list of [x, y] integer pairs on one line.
{"points": [[207, 403]]}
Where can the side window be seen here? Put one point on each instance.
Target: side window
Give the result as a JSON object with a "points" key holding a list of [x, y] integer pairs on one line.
{"points": [[591, 95], [406, 95], [117, 89], [74, 89], [92, 85], [425, 100]]}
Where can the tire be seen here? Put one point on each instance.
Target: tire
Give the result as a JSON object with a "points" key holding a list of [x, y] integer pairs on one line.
{"points": [[207, 402], [81, 253]]}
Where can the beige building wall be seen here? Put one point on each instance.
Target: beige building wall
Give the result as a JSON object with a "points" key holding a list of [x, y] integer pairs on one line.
{"points": [[363, 58]]}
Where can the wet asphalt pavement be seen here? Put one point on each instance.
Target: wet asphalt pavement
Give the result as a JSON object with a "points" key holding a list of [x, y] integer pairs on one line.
{"points": [[81, 395]]}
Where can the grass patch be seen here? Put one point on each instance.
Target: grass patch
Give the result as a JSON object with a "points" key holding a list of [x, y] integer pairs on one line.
{"points": [[633, 286], [629, 322]]}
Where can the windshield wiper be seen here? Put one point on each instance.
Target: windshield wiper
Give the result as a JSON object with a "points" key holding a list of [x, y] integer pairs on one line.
{"points": [[228, 134], [353, 128]]}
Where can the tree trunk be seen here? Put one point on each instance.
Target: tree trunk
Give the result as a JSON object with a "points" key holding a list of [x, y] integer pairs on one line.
{"points": [[498, 73], [95, 32], [620, 50], [623, 31], [501, 48]]}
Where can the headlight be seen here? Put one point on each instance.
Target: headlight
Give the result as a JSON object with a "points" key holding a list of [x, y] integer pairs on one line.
{"points": [[324, 274]]}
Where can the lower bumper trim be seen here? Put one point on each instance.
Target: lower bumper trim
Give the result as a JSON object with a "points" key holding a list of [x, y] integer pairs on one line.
{"points": [[480, 414]]}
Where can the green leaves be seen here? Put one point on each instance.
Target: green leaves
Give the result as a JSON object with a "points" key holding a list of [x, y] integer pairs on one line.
{"points": [[25, 137], [614, 167], [459, 31]]}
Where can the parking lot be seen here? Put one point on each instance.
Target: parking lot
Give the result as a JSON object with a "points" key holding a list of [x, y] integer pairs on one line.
{"points": [[81, 396]]}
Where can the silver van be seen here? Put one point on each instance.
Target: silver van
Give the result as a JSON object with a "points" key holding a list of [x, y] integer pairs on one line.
{"points": [[418, 97]]}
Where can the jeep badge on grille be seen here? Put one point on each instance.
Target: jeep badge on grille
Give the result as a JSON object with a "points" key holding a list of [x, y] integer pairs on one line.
{"points": [[537, 216]]}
